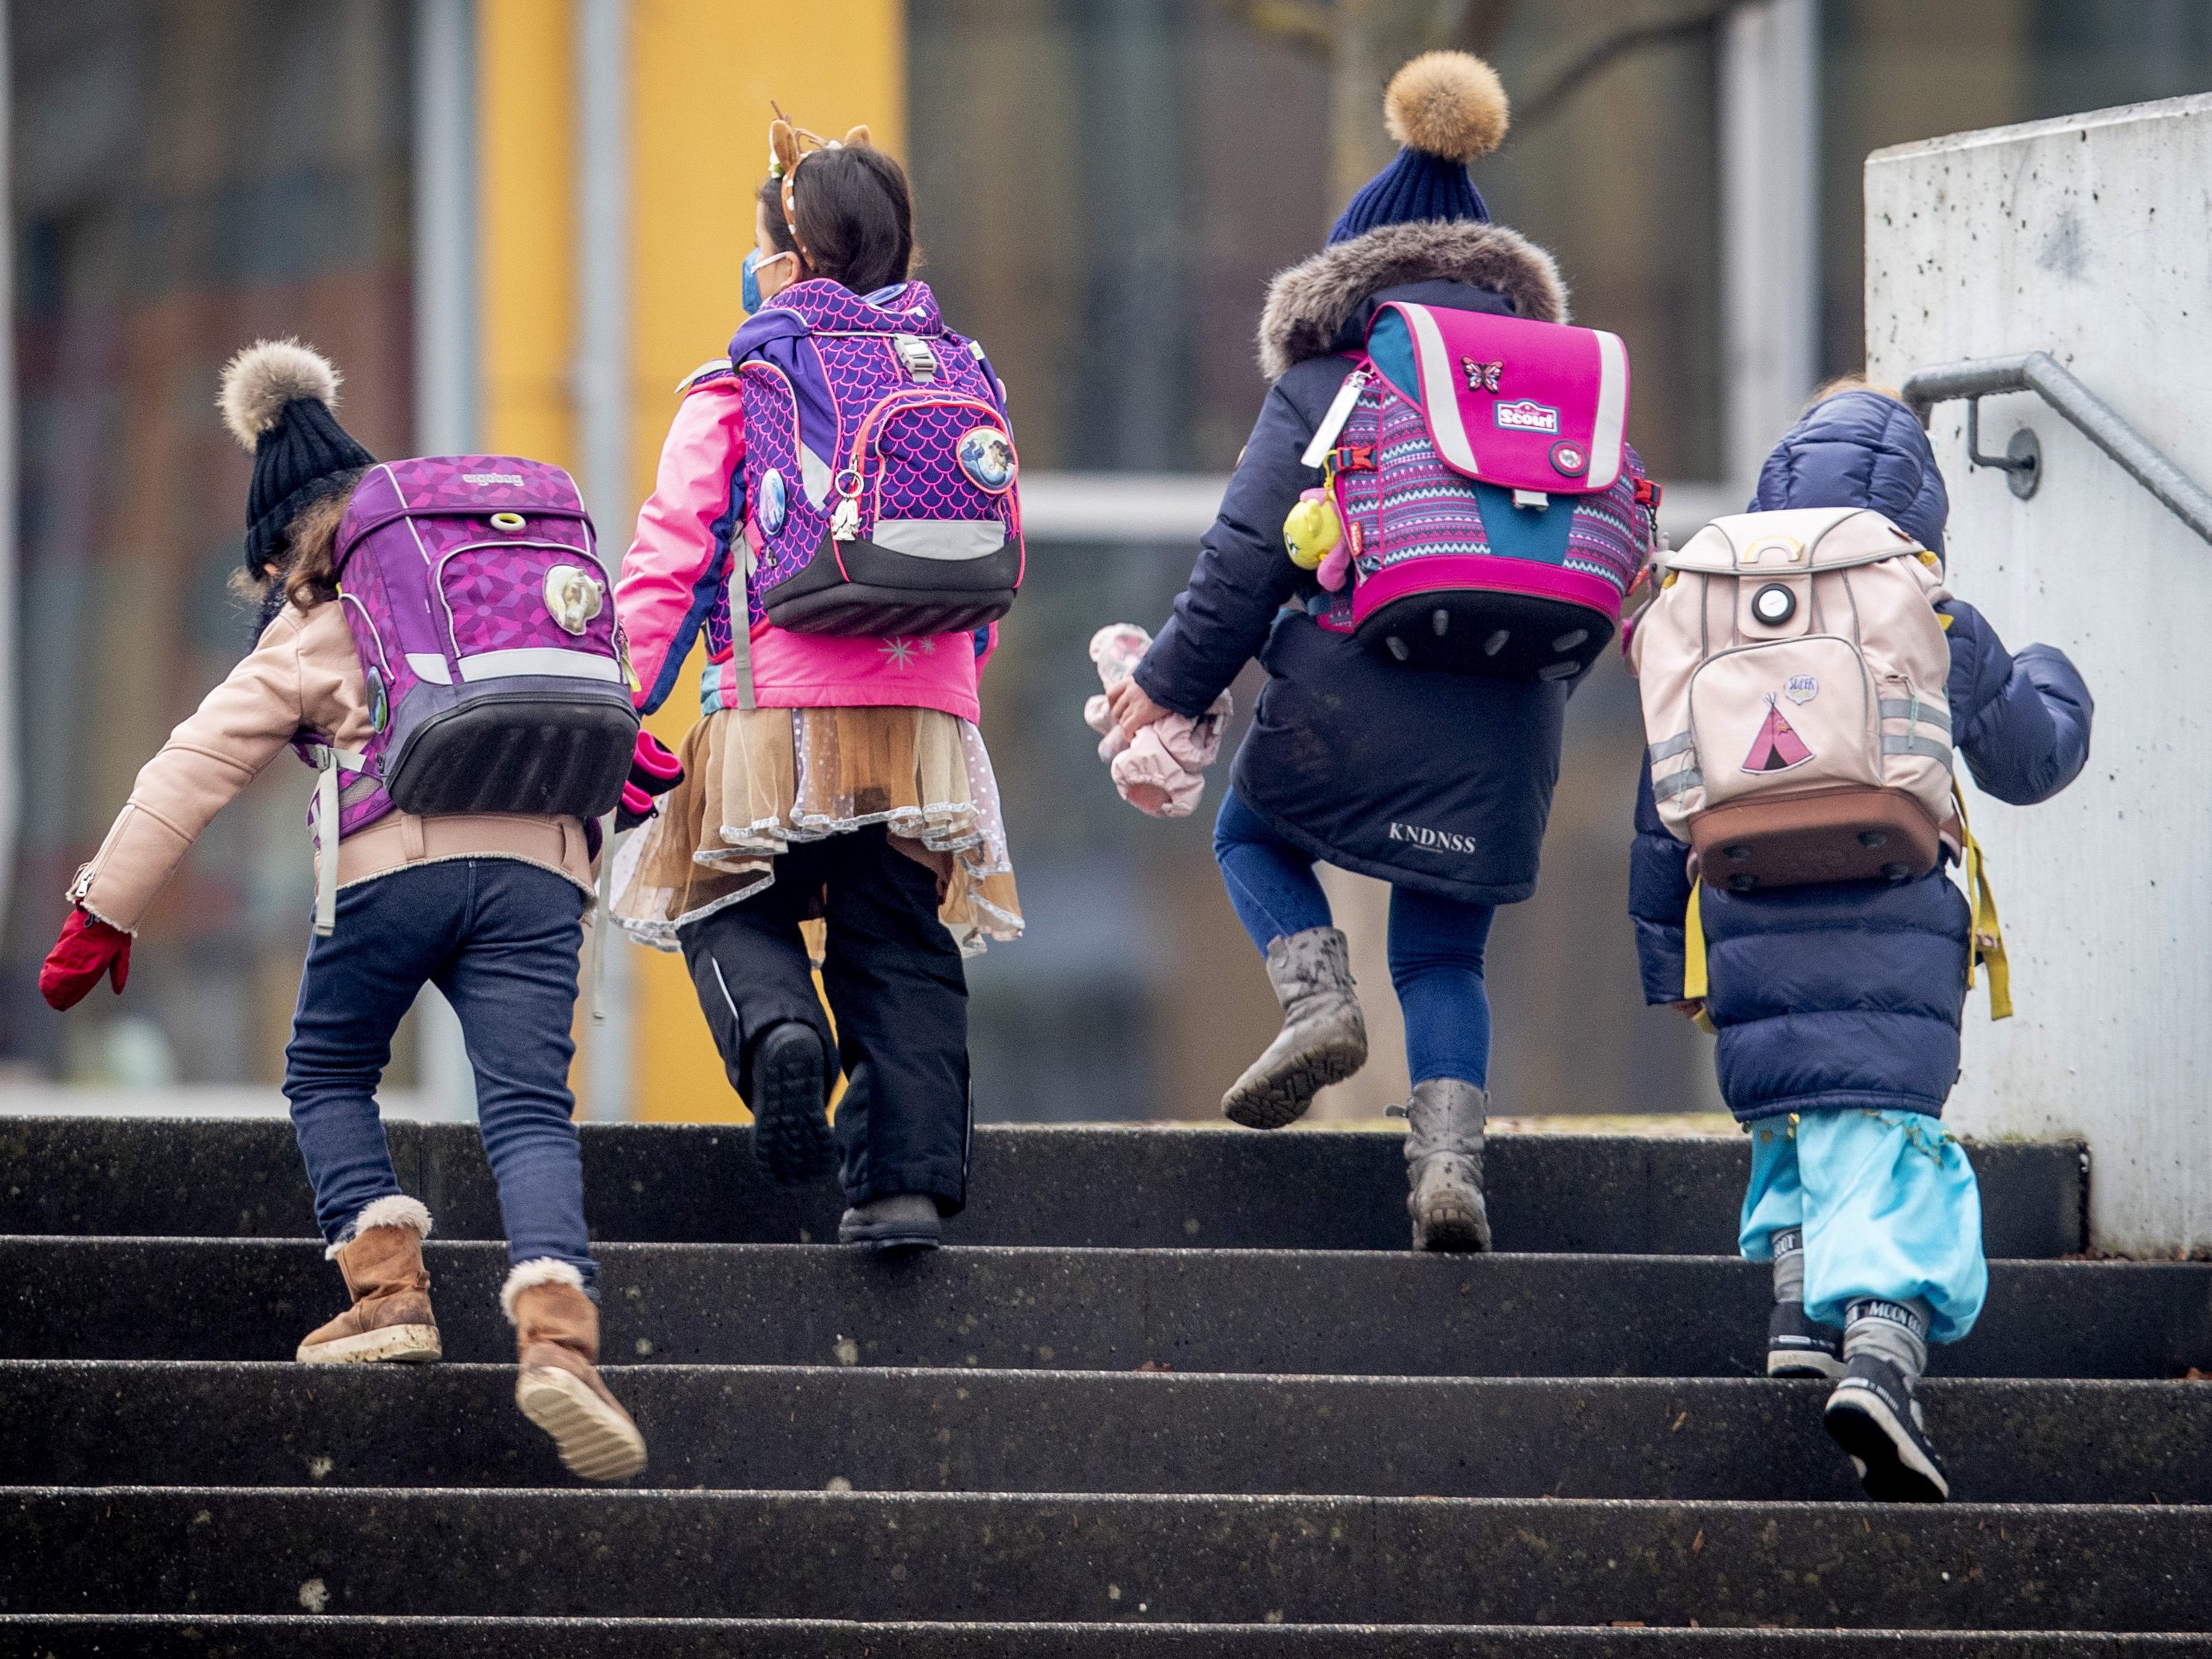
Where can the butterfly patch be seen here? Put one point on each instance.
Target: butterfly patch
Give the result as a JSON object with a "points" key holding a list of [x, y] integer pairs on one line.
{"points": [[1481, 377]]}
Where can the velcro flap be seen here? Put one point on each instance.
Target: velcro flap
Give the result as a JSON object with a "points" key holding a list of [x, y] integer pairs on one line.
{"points": [[1525, 405]]}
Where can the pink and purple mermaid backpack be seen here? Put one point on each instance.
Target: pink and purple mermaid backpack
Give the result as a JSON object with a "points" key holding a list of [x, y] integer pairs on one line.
{"points": [[485, 626], [1495, 514], [880, 474]]}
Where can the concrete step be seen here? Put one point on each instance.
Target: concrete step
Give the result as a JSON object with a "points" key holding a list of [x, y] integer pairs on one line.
{"points": [[329, 1636], [779, 1428], [1122, 1188], [1297, 1312], [1231, 1559]]}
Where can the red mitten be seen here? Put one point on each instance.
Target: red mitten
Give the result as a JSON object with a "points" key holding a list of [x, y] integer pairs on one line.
{"points": [[87, 948]]}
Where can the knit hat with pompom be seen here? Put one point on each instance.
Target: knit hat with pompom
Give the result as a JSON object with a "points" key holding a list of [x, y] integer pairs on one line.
{"points": [[1446, 108], [277, 396]]}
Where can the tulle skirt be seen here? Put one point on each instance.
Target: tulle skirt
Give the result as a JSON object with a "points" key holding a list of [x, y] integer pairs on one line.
{"points": [[756, 782]]}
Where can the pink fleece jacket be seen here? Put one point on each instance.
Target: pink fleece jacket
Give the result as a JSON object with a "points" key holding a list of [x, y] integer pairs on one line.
{"points": [[679, 576]]}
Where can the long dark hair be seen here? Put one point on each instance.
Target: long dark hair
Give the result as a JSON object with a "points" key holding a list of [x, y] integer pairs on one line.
{"points": [[854, 214]]}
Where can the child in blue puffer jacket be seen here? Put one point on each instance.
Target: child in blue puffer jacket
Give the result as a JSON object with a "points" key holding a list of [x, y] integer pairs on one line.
{"points": [[1837, 1006]]}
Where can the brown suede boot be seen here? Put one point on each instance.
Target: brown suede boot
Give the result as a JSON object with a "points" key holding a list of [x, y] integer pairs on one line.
{"points": [[391, 1317], [556, 1337]]}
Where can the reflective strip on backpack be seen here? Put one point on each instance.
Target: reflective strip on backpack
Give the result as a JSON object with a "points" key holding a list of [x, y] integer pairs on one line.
{"points": [[332, 761], [951, 540], [1921, 714], [1679, 783], [1928, 747], [1669, 748], [551, 660]]}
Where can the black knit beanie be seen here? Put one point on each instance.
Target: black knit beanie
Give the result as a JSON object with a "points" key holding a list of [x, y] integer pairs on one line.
{"points": [[276, 400]]}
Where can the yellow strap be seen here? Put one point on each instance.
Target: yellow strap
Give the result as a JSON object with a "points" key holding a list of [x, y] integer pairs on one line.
{"points": [[1693, 949], [1986, 947]]}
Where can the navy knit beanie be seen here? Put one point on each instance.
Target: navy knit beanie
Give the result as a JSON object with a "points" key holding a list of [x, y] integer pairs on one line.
{"points": [[276, 400], [1446, 108]]}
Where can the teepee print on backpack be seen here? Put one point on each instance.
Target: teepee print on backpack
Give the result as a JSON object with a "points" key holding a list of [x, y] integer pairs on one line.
{"points": [[880, 471], [1495, 512], [1793, 671]]}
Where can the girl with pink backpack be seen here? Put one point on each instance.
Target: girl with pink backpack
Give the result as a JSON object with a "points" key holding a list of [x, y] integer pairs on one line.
{"points": [[837, 512], [460, 692]]}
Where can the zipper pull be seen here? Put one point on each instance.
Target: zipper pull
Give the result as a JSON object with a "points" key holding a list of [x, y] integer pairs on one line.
{"points": [[1339, 411]]}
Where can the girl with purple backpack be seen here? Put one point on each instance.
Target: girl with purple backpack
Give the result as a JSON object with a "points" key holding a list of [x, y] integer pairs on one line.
{"points": [[836, 513], [488, 905]]}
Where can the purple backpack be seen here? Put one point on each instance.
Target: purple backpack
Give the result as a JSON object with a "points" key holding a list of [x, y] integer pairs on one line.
{"points": [[879, 474], [485, 625]]}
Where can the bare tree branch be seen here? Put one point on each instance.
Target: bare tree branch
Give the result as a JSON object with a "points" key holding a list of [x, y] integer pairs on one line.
{"points": [[1607, 49], [1295, 22]]}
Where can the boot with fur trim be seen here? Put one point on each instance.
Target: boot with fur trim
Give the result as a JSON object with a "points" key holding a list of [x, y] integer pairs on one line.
{"points": [[1324, 1035], [1443, 1165], [557, 1338], [391, 1317]]}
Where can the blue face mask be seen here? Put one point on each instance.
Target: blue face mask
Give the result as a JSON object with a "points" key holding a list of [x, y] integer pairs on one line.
{"points": [[749, 294]]}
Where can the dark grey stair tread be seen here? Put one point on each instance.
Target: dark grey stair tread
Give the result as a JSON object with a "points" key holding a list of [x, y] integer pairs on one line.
{"points": [[1297, 1312], [1128, 1188], [996, 1557], [272, 1636], [278, 1425]]}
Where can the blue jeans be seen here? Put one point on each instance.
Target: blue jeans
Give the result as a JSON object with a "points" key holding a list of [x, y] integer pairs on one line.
{"points": [[1435, 943], [500, 939], [1890, 1208]]}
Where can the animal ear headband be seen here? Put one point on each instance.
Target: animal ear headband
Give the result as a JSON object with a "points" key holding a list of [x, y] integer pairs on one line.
{"points": [[785, 152]]}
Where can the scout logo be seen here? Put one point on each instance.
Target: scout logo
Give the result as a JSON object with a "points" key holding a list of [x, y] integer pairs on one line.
{"points": [[1801, 689], [1777, 747], [1528, 416], [1481, 377]]}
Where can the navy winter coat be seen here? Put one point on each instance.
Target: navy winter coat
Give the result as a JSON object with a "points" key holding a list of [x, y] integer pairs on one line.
{"points": [[1429, 780], [1849, 994]]}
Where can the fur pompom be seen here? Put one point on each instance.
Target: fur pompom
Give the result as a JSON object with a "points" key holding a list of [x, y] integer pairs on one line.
{"points": [[261, 380], [1447, 103]]}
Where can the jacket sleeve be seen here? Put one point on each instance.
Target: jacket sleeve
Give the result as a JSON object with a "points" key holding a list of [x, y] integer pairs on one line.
{"points": [[2021, 721], [678, 565], [1658, 897], [1242, 577], [238, 729]]}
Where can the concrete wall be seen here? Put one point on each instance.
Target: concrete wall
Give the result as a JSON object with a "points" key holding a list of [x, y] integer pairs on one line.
{"points": [[2089, 237]]}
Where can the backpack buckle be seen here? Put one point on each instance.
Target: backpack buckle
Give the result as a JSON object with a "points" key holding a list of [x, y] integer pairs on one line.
{"points": [[1354, 458], [916, 356]]}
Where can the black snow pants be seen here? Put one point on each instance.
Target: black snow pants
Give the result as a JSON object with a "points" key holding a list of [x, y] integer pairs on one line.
{"points": [[896, 985]]}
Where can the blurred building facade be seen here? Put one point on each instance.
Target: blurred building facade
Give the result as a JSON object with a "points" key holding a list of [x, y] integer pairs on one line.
{"points": [[1103, 188]]}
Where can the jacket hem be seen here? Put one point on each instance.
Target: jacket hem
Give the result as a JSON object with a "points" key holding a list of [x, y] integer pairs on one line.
{"points": [[1838, 1100], [1397, 875]]}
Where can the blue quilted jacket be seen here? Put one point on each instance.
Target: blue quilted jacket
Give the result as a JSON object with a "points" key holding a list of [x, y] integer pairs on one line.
{"points": [[1849, 994]]}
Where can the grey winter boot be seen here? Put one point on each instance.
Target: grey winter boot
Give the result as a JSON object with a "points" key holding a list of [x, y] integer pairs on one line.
{"points": [[1323, 1039], [1443, 1165]]}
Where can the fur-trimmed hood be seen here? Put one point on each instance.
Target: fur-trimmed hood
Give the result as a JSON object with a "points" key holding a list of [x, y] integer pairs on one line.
{"points": [[1309, 305]]}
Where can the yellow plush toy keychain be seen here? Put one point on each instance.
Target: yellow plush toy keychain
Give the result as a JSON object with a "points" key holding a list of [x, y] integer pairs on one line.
{"points": [[1312, 530]]}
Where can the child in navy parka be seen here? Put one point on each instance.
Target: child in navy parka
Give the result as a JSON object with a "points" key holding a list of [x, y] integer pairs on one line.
{"points": [[1837, 1006]]}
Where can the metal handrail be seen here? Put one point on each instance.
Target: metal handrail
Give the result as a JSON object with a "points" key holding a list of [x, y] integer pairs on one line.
{"points": [[2040, 373]]}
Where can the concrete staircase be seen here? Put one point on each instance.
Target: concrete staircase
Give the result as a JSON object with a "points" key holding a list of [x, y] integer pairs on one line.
{"points": [[1171, 1392]]}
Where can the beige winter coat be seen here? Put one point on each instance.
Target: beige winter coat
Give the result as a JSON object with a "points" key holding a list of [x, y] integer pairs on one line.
{"points": [[302, 677]]}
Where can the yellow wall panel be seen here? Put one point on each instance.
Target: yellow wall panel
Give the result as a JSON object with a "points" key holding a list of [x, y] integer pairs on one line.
{"points": [[704, 72]]}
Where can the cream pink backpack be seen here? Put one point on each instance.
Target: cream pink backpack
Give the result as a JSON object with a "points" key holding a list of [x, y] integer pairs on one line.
{"points": [[1793, 671]]}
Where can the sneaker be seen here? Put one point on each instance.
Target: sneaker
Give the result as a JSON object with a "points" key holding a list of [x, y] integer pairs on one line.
{"points": [[1874, 1418], [903, 1221], [1799, 1347], [792, 1140]]}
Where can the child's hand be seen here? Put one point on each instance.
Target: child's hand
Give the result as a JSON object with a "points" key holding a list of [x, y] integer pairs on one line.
{"points": [[653, 773], [1690, 1009], [87, 948], [1132, 709]]}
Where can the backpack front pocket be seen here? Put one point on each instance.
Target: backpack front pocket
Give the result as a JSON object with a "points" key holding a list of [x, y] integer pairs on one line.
{"points": [[1794, 714]]}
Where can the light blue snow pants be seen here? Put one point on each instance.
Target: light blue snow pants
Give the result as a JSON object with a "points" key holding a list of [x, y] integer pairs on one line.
{"points": [[1889, 1207]]}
